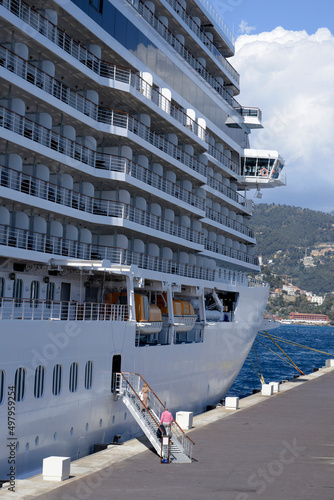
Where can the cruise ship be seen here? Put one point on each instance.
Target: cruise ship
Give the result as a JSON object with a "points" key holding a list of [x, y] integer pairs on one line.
{"points": [[127, 181]]}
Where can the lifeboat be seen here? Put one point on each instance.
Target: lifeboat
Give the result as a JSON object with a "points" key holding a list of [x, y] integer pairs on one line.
{"points": [[184, 315], [148, 316]]}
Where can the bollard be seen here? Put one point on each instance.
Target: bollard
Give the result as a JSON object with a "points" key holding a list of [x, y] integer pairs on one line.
{"points": [[231, 403], [56, 468]]}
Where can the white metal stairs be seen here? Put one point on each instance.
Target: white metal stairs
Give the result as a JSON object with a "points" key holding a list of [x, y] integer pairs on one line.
{"points": [[128, 388]]}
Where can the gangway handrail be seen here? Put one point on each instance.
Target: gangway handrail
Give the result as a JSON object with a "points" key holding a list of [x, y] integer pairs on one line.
{"points": [[138, 397], [123, 374]]}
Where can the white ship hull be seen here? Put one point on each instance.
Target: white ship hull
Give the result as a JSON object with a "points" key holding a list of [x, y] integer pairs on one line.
{"points": [[185, 377]]}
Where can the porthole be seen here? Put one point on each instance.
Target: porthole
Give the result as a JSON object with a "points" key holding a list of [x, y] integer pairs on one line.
{"points": [[36, 441]]}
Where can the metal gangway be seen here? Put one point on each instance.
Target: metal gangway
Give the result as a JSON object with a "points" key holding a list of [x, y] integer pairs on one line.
{"points": [[128, 388]]}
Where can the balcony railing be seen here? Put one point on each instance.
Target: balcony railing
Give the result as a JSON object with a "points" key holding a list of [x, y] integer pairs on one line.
{"points": [[42, 135], [35, 309], [47, 137], [224, 28], [228, 222], [27, 184], [221, 249], [102, 68], [55, 245], [227, 162], [177, 7], [225, 190], [180, 48]]}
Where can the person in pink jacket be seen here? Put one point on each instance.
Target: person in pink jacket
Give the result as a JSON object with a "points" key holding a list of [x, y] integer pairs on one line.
{"points": [[166, 420]]}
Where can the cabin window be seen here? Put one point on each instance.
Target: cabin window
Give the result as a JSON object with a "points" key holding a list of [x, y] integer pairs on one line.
{"points": [[56, 380], [34, 293], [50, 293], [20, 379], [17, 292], [89, 375], [2, 385], [39, 381], [73, 382]]}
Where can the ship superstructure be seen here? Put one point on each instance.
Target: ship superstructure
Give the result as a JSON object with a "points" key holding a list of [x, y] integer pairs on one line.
{"points": [[124, 231]]}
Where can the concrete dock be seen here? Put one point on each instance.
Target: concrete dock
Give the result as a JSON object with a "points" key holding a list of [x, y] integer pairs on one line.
{"points": [[278, 447]]}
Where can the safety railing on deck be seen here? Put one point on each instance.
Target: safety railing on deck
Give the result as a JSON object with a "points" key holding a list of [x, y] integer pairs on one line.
{"points": [[57, 245], [172, 40], [27, 184], [103, 68], [224, 220], [178, 8], [225, 190], [222, 158], [133, 383], [38, 133], [35, 309]]}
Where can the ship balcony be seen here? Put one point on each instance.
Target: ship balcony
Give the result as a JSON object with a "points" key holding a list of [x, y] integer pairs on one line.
{"points": [[19, 181], [230, 224], [262, 169], [57, 143], [117, 119], [230, 194], [174, 42], [31, 245], [219, 27], [251, 117], [223, 159], [231, 253], [112, 72], [206, 39]]}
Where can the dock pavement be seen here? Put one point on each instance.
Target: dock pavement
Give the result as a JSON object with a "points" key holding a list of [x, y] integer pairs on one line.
{"points": [[278, 447]]}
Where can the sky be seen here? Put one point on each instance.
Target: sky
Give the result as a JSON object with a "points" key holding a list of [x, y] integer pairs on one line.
{"points": [[285, 56]]}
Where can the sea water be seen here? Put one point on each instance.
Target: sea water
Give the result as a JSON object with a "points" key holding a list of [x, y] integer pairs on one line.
{"points": [[275, 369]]}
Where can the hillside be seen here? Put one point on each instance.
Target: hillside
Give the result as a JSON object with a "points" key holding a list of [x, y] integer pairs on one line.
{"points": [[279, 227], [287, 234]]}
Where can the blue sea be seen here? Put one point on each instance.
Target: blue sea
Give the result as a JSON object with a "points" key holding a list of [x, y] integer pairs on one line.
{"points": [[275, 369]]}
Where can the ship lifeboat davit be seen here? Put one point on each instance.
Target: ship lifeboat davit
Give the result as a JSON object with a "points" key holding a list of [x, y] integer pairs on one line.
{"points": [[148, 316]]}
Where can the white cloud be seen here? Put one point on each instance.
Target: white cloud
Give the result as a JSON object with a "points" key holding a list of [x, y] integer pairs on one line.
{"points": [[245, 29], [290, 75]]}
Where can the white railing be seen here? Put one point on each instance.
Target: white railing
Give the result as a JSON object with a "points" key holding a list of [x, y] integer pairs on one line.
{"points": [[218, 155], [178, 8], [216, 17], [56, 245], [27, 184], [102, 68], [37, 133], [35, 309], [180, 48], [32, 130], [221, 249], [228, 222], [225, 190]]}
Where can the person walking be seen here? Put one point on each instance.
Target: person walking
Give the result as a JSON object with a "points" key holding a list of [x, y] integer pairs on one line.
{"points": [[145, 396], [167, 420]]}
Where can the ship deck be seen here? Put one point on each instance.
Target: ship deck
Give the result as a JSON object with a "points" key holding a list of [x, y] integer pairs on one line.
{"points": [[272, 447]]}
